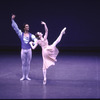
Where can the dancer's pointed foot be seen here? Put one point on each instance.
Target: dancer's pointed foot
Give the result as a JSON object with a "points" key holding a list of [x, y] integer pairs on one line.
{"points": [[28, 78], [63, 31], [23, 78], [44, 82]]}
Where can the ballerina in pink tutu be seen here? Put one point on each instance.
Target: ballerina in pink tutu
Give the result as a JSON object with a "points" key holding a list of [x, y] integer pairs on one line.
{"points": [[49, 52]]}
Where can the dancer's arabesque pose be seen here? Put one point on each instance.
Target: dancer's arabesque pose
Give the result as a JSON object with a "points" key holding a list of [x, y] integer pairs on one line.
{"points": [[49, 52], [26, 52]]}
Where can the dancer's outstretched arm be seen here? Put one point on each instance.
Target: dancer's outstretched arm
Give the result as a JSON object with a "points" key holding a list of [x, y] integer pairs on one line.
{"points": [[15, 26], [46, 30], [33, 45]]}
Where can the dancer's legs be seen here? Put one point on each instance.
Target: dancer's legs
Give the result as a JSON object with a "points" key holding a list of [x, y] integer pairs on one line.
{"points": [[59, 37], [44, 73], [29, 57], [26, 56], [23, 58]]}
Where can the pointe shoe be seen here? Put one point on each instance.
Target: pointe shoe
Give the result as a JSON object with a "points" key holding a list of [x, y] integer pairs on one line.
{"points": [[63, 31], [23, 78], [28, 78], [44, 82]]}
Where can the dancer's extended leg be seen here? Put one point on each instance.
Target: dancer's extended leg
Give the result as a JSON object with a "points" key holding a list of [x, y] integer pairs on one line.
{"points": [[59, 37]]}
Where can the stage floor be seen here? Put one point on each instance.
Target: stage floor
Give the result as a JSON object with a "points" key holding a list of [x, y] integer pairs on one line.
{"points": [[75, 75]]}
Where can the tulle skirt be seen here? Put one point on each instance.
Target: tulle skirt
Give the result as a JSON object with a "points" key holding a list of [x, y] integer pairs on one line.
{"points": [[49, 55]]}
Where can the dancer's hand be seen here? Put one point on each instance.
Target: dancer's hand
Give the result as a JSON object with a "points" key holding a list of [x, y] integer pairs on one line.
{"points": [[63, 31], [31, 43], [43, 23], [13, 17]]}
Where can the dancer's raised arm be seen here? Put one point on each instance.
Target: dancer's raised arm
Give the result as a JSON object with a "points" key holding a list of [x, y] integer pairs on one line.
{"points": [[46, 29], [15, 26]]}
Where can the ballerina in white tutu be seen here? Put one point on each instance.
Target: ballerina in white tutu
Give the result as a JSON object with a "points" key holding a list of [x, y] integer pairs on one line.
{"points": [[49, 52]]}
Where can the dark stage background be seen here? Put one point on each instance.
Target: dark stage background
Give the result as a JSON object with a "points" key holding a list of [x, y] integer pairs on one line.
{"points": [[81, 17]]}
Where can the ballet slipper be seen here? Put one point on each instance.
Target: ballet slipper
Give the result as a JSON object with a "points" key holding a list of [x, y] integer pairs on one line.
{"points": [[23, 78], [28, 78], [44, 82], [63, 31]]}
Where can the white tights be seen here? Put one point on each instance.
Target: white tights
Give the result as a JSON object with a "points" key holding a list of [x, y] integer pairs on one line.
{"points": [[26, 56]]}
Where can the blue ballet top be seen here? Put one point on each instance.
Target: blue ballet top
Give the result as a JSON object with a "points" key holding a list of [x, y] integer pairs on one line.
{"points": [[24, 40]]}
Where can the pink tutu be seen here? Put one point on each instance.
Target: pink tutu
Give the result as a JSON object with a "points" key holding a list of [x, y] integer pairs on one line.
{"points": [[49, 55]]}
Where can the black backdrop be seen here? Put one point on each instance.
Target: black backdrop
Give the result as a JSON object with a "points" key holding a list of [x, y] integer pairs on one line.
{"points": [[81, 17]]}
